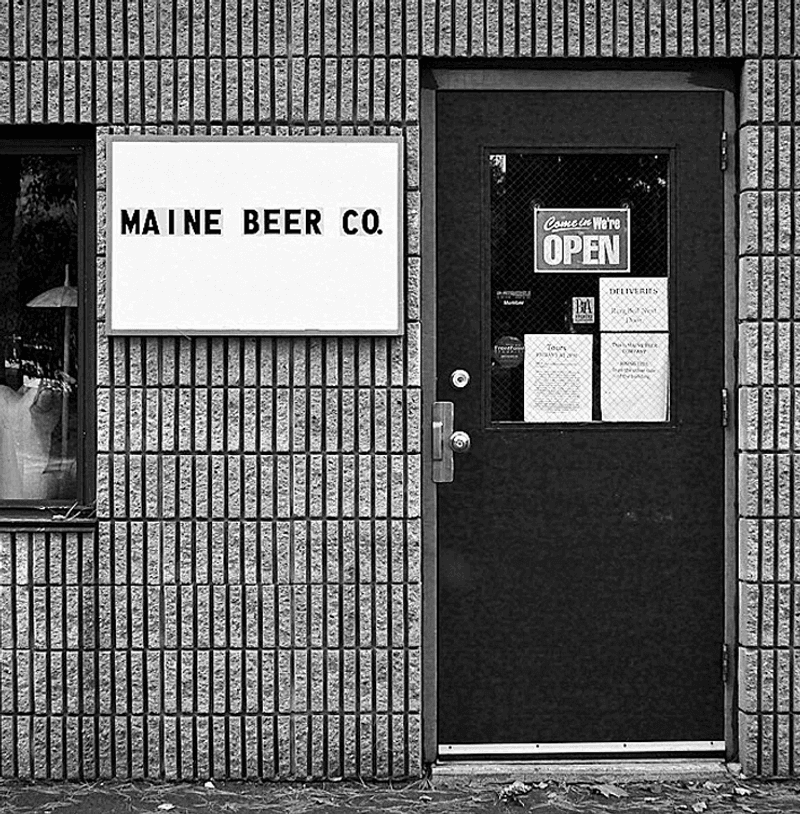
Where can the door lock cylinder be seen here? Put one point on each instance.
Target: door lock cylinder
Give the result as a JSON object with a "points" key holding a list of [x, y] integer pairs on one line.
{"points": [[459, 379], [460, 441]]}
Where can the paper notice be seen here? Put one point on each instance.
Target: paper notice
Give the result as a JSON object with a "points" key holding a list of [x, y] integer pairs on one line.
{"points": [[633, 304], [634, 376], [558, 377]]}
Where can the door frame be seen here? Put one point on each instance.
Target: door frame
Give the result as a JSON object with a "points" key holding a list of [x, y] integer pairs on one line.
{"points": [[585, 75]]}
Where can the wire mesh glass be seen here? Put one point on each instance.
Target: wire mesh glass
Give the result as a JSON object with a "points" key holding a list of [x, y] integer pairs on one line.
{"points": [[579, 254]]}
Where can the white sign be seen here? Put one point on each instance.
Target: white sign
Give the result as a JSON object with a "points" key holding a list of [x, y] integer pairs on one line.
{"points": [[633, 304], [558, 377], [255, 235], [634, 376]]}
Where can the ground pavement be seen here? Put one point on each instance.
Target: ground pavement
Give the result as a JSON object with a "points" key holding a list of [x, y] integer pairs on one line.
{"points": [[722, 795]]}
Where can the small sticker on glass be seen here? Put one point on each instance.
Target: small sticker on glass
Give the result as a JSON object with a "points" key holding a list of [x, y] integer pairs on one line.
{"points": [[509, 351], [583, 311], [513, 297]]}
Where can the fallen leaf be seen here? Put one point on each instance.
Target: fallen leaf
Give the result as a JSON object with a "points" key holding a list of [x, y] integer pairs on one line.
{"points": [[741, 791], [698, 807], [512, 792], [711, 786], [609, 790], [542, 785], [209, 784], [166, 807]]}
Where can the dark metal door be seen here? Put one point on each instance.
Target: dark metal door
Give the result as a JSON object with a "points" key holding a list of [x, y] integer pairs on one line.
{"points": [[581, 541]]}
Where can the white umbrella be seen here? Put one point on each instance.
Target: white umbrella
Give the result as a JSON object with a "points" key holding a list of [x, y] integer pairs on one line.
{"points": [[66, 297]]}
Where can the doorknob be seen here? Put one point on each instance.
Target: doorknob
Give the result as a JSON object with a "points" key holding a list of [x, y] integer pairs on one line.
{"points": [[460, 441], [444, 442]]}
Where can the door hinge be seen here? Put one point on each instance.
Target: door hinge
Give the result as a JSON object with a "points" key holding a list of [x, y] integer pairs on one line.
{"points": [[723, 150], [726, 406], [726, 663]]}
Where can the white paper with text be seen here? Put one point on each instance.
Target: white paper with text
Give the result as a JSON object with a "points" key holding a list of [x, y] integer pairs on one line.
{"points": [[558, 377], [634, 376]]}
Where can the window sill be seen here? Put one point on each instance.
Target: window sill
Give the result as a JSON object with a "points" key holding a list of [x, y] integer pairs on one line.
{"points": [[47, 518]]}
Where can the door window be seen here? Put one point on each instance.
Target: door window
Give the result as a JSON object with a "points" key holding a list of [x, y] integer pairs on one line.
{"points": [[579, 286]]}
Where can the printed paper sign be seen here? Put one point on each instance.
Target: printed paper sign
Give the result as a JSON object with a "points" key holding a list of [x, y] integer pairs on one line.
{"points": [[581, 240], [634, 376], [634, 304], [558, 377]]}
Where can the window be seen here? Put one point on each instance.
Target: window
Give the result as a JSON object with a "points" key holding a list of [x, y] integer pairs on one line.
{"points": [[44, 303], [580, 278]]}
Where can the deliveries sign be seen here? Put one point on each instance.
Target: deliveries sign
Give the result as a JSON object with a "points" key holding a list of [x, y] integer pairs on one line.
{"points": [[582, 240]]}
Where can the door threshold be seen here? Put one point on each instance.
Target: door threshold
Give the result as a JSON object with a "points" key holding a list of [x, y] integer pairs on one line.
{"points": [[620, 769], [598, 748], [639, 760]]}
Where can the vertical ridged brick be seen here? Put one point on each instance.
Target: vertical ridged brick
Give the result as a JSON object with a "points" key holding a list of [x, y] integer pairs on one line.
{"points": [[767, 414]]}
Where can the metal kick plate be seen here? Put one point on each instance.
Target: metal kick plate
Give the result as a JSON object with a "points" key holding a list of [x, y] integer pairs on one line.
{"points": [[442, 452]]}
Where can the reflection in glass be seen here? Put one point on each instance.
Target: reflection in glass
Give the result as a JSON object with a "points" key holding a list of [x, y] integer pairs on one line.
{"points": [[38, 319]]}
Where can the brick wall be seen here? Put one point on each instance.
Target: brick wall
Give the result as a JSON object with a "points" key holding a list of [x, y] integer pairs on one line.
{"points": [[249, 603]]}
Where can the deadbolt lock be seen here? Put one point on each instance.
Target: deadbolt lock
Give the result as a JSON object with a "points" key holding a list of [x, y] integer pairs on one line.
{"points": [[459, 379], [460, 441]]}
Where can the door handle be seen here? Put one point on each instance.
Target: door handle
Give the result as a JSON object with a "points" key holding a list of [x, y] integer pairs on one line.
{"points": [[437, 440], [441, 432]]}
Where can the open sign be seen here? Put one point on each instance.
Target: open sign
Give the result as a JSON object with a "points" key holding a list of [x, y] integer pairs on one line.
{"points": [[582, 240]]}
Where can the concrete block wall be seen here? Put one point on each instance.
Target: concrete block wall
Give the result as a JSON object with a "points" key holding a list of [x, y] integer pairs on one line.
{"points": [[248, 603], [769, 413], [263, 579]]}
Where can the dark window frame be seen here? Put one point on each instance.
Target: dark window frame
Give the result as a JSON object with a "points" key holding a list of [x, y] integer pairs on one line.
{"points": [[79, 142]]}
